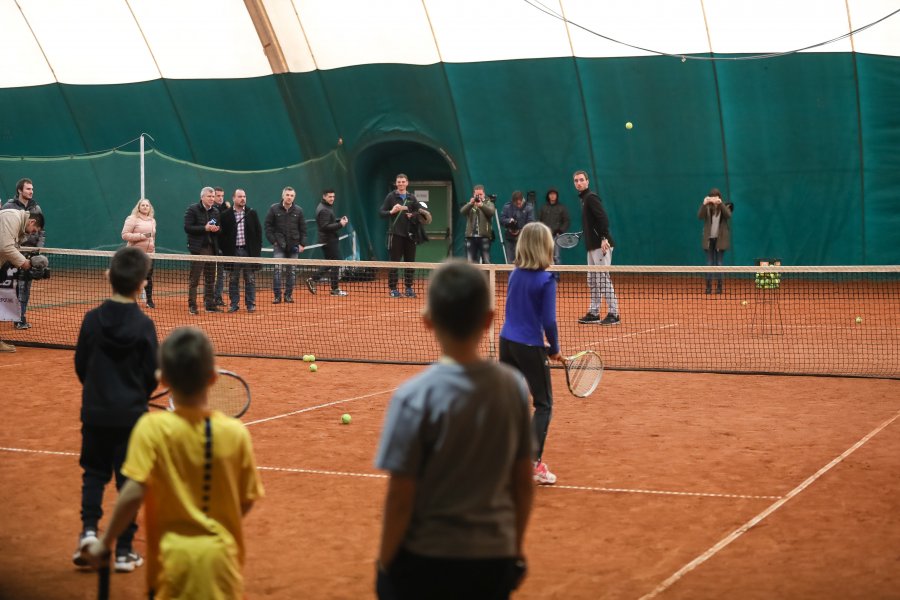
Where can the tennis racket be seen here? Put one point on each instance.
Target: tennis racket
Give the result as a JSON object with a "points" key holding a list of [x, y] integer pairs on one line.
{"points": [[583, 373], [568, 240], [230, 394]]}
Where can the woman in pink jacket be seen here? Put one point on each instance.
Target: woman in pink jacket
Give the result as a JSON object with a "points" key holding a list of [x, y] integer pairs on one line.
{"points": [[140, 231]]}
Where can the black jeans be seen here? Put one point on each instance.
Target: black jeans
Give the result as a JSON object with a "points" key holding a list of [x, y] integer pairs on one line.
{"points": [[209, 279], [413, 576], [404, 248], [478, 248], [532, 362], [332, 251], [714, 258], [102, 454]]}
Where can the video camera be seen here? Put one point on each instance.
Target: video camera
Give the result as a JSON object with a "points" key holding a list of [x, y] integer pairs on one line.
{"points": [[40, 268]]}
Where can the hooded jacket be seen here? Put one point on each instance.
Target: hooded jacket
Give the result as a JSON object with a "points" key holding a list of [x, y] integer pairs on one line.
{"points": [[555, 216], [115, 360]]}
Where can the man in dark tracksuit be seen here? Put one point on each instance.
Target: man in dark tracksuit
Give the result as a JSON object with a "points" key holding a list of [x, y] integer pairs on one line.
{"points": [[201, 224], [329, 236], [599, 245], [24, 200], [286, 231], [555, 216], [405, 214]]}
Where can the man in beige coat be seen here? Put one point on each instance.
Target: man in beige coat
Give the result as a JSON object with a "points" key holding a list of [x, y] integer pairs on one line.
{"points": [[15, 226]]}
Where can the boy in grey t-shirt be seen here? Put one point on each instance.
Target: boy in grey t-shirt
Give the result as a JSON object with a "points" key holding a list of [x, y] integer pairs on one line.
{"points": [[458, 444]]}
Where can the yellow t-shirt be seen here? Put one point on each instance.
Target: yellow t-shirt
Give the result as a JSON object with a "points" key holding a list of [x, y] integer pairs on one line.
{"points": [[192, 554]]}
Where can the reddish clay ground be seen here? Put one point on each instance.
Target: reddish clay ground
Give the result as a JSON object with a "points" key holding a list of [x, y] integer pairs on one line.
{"points": [[722, 448]]}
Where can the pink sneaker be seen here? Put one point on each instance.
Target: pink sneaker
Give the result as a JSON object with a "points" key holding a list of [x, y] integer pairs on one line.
{"points": [[542, 475]]}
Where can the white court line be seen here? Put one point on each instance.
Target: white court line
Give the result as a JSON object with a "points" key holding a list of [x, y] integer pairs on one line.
{"points": [[628, 335], [321, 472], [33, 362], [27, 451], [658, 492], [758, 518], [326, 405]]}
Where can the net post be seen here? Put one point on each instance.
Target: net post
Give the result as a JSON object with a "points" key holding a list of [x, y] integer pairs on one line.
{"points": [[492, 286]]}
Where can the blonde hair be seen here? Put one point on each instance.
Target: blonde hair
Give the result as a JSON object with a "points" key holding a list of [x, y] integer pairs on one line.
{"points": [[534, 250], [136, 213]]}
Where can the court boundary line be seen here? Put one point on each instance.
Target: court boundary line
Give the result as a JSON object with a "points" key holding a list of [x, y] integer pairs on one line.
{"points": [[318, 406], [734, 535], [384, 476]]}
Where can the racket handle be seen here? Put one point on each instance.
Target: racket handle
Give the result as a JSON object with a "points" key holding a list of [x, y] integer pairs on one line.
{"points": [[103, 583]]}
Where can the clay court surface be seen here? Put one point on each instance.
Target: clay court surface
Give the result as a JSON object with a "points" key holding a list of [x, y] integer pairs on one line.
{"points": [[660, 475]]}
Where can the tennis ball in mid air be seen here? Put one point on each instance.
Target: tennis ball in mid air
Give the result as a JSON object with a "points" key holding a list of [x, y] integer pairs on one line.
{"points": [[858, 320], [313, 367], [628, 125], [345, 418], [744, 303]]}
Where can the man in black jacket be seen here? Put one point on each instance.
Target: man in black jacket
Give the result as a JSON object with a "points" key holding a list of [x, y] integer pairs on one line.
{"points": [[24, 200], [201, 224], [406, 215], [329, 236], [241, 235], [599, 245], [555, 216], [286, 231]]}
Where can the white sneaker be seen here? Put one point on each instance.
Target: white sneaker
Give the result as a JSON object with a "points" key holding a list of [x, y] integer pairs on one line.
{"points": [[88, 536], [542, 474], [126, 563]]}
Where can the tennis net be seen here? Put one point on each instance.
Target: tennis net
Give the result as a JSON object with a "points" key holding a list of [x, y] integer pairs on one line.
{"points": [[782, 320]]}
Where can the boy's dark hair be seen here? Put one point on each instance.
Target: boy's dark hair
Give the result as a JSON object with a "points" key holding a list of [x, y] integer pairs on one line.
{"points": [[186, 360], [38, 217], [128, 269], [458, 299], [327, 191]]}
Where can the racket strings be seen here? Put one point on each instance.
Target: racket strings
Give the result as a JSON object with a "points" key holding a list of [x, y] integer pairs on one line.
{"points": [[229, 395], [584, 374]]}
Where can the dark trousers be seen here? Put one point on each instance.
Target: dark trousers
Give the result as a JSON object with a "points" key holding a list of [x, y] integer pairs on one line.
{"points": [[413, 576], [102, 454], [23, 289], [234, 281], [209, 279], [332, 251], [148, 289], [532, 362], [220, 281], [714, 258], [402, 248], [478, 249]]}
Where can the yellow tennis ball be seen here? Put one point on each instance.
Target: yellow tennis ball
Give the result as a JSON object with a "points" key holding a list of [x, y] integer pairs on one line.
{"points": [[313, 367], [628, 125], [858, 320], [306, 358], [744, 303], [312, 358], [345, 418]]}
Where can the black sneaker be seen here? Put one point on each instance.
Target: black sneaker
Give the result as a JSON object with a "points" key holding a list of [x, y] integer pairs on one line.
{"points": [[277, 300], [251, 309], [213, 309], [126, 562], [289, 299], [610, 319], [23, 325], [311, 285], [232, 309], [192, 310], [589, 319], [338, 292]]}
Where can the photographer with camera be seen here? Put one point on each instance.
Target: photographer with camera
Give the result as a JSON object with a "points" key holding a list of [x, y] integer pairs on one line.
{"points": [[201, 224], [406, 216], [515, 215], [479, 211], [24, 200], [15, 228]]}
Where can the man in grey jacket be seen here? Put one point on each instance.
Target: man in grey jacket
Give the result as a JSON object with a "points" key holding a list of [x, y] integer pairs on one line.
{"points": [[286, 231]]}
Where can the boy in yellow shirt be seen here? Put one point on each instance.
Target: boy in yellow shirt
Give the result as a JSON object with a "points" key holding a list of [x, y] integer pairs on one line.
{"points": [[194, 468]]}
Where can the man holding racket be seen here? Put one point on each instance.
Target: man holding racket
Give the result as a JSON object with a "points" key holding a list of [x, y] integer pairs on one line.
{"points": [[115, 360], [599, 245], [196, 470]]}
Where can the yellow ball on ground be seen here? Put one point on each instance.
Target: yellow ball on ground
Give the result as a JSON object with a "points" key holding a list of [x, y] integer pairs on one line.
{"points": [[306, 358], [313, 367], [858, 320], [345, 418], [312, 358], [628, 125]]}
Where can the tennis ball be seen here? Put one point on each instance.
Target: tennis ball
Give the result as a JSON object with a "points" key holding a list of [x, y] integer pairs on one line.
{"points": [[628, 125], [744, 303], [313, 367], [345, 418], [858, 320], [306, 358], [312, 358]]}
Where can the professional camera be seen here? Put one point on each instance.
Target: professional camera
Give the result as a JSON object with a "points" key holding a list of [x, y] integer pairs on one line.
{"points": [[492, 197], [40, 269]]}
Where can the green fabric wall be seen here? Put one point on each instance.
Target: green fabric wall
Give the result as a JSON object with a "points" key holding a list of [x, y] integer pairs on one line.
{"points": [[807, 146]]}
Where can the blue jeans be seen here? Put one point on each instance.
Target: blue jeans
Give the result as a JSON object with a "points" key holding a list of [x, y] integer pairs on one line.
{"points": [[279, 252], [714, 258], [234, 281], [24, 292], [478, 249]]}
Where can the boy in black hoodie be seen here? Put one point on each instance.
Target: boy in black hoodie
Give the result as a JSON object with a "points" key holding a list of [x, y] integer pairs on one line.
{"points": [[115, 360]]}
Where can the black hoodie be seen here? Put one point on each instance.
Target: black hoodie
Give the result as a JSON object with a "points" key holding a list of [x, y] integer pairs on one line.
{"points": [[115, 360]]}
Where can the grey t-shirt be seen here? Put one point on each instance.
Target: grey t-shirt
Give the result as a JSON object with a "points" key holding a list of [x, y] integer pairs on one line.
{"points": [[458, 430]]}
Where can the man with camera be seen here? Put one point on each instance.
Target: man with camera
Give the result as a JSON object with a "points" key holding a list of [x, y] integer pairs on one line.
{"points": [[16, 227], [515, 215], [25, 201], [201, 224], [406, 216], [479, 211]]}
